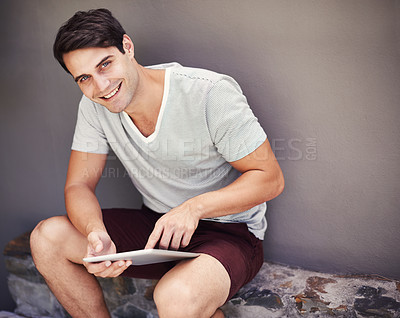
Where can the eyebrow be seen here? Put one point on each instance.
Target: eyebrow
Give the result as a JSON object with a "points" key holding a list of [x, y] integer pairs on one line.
{"points": [[98, 64]]}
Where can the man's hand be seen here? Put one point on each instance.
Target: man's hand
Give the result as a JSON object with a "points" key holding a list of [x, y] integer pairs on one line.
{"points": [[174, 229], [100, 243]]}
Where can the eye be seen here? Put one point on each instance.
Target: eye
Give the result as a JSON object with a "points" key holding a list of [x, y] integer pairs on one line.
{"points": [[83, 78], [105, 64]]}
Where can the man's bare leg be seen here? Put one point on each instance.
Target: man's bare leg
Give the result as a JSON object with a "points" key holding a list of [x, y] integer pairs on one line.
{"points": [[57, 249], [193, 288], [218, 314]]}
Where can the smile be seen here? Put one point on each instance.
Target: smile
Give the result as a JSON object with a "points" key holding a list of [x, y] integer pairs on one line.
{"points": [[115, 91]]}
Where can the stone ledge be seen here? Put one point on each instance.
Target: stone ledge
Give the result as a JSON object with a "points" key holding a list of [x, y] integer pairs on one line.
{"points": [[276, 291]]}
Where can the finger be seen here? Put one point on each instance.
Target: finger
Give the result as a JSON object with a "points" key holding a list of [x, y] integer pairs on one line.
{"points": [[101, 269], [176, 241], [95, 243], [98, 247], [165, 239], [154, 237], [116, 269], [104, 273], [186, 239], [95, 268], [120, 268], [93, 251]]}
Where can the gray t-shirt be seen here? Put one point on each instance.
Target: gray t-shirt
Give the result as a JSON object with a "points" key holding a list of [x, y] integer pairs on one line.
{"points": [[204, 123]]}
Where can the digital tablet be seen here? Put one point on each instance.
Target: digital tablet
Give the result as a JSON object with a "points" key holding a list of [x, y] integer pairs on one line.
{"points": [[142, 257]]}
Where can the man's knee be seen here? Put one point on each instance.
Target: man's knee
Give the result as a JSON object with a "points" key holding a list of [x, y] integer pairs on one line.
{"points": [[178, 299], [47, 235]]}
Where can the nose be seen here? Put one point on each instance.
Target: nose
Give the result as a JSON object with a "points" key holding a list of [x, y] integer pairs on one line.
{"points": [[101, 84]]}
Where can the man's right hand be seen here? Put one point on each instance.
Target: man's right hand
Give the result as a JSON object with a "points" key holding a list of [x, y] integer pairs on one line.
{"points": [[100, 243]]}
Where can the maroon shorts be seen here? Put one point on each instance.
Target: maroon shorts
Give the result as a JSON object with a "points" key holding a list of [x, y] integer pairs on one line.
{"points": [[237, 249]]}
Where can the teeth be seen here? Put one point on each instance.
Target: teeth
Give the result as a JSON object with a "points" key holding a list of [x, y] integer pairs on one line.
{"points": [[112, 93]]}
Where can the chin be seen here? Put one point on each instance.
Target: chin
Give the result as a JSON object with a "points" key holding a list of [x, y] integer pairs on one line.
{"points": [[115, 110], [111, 108]]}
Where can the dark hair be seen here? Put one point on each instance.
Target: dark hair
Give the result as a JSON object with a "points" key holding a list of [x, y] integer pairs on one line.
{"points": [[93, 28]]}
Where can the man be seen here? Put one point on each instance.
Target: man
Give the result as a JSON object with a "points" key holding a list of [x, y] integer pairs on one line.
{"points": [[194, 150]]}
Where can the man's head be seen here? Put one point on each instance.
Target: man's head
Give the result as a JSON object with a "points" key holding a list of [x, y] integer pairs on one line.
{"points": [[92, 46], [93, 28]]}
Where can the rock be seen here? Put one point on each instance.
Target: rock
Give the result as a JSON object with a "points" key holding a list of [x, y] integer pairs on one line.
{"points": [[265, 298], [19, 247], [34, 299], [6, 314], [277, 291], [23, 268], [373, 303], [130, 310]]}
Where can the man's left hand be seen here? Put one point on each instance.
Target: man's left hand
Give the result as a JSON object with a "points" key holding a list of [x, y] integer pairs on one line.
{"points": [[174, 229]]}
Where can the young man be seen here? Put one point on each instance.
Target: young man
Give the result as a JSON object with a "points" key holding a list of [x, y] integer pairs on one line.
{"points": [[194, 150]]}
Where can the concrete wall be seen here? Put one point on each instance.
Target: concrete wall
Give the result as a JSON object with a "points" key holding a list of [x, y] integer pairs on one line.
{"points": [[322, 76]]}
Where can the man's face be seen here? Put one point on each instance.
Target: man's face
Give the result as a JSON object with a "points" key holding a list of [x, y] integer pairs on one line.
{"points": [[104, 75]]}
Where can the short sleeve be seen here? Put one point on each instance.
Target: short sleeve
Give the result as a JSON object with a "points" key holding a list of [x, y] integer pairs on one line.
{"points": [[234, 129], [89, 135]]}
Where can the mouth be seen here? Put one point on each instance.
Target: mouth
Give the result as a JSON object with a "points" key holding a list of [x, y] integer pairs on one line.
{"points": [[112, 93]]}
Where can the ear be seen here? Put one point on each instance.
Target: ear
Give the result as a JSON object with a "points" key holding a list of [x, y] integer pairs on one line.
{"points": [[128, 45]]}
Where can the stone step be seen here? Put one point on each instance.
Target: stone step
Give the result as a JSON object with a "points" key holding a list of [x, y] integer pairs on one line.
{"points": [[276, 291], [6, 314]]}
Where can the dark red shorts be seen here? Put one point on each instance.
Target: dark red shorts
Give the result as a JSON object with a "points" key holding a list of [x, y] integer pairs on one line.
{"points": [[238, 250]]}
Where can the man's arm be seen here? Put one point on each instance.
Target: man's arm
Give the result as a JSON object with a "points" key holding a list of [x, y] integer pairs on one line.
{"points": [[84, 172], [84, 212], [261, 181]]}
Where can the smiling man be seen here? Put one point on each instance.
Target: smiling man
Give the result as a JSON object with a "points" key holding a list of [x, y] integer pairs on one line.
{"points": [[193, 149]]}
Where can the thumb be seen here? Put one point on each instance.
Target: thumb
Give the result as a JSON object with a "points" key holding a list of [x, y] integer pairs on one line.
{"points": [[95, 242]]}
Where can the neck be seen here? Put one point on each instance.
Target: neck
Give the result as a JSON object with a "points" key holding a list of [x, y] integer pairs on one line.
{"points": [[146, 103]]}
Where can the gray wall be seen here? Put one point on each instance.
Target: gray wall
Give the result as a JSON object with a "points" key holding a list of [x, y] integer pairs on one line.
{"points": [[322, 76]]}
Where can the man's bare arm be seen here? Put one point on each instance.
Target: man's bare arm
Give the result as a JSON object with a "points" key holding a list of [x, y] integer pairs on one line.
{"points": [[261, 181], [84, 172], [84, 211]]}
